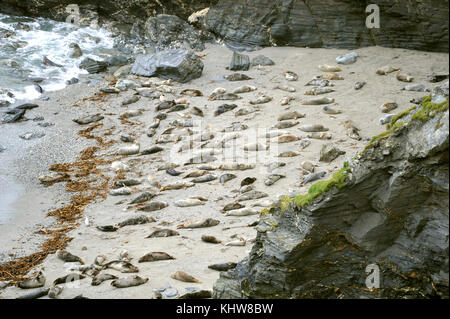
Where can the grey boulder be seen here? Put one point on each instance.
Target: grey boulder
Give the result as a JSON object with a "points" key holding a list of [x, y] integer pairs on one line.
{"points": [[179, 65]]}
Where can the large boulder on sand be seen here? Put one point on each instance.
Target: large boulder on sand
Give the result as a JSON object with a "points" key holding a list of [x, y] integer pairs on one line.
{"points": [[179, 65]]}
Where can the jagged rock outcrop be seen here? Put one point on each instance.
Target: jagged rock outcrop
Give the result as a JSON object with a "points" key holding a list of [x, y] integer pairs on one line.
{"points": [[411, 24], [388, 208], [178, 65], [416, 24], [169, 32], [125, 12]]}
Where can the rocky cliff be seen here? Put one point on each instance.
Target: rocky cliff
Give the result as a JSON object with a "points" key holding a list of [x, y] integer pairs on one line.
{"points": [[416, 24], [249, 24], [386, 213]]}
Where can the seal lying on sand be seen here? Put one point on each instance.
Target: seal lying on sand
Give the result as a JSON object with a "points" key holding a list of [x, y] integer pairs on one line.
{"points": [[129, 282]]}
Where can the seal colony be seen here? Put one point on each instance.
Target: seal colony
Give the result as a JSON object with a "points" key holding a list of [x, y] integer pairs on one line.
{"points": [[164, 208]]}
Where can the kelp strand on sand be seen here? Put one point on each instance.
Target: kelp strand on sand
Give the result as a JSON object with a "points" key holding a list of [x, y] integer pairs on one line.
{"points": [[89, 184]]}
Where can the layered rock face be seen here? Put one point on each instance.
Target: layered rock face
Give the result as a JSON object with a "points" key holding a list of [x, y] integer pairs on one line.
{"points": [[118, 10], [390, 214], [413, 24]]}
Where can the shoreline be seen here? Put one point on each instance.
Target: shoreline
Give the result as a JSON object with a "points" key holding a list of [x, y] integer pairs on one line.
{"points": [[62, 145]]}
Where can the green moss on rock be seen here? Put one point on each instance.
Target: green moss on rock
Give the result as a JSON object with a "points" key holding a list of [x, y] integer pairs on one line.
{"points": [[321, 187]]}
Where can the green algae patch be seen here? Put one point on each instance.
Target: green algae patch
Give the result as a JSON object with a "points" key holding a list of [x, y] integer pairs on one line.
{"points": [[399, 116], [429, 109], [321, 187]]}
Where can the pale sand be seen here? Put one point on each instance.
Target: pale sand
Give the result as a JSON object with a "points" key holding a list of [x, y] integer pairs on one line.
{"points": [[192, 255]]}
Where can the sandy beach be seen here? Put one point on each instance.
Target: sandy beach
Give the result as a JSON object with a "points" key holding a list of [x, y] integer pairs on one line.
{"points": [[24, 161]]}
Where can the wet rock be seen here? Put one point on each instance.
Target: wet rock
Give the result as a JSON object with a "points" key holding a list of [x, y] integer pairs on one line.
{"points": [[170, 32], [390, 213], [93, 66], [262, 60], [329, 152], [239, 62], [75, 52], [348, 58], [178, 65], [46, 61]]}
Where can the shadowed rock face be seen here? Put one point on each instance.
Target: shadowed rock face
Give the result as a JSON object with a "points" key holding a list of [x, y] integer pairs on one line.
{"points": [[413, 24], [118, 10], [392, 212]]}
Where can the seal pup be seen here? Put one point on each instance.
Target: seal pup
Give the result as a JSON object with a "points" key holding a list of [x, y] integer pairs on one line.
{"points": [[97, 280], [225, 97], [232, 206], [313, 128], [262, 99], [223, 267], [191, 92], [140, 220], [237, 243], [190, 202], [404, 77], [319, 90], [290, 76], [38, 293], [129, 282], [272, 179], [351, 130], [178, 185], [153, 206], [226, 177], [252, 195], [287, 139], [211, 239], [329, 68], [319, 101], [34, 282], [197, 111], [285, 88], [385, 70], [248, 181], [163, 233], [244, 89], [204, 179], [123, 191], [319, 82], [386, 119], [247, 211], [155, 256], [285, 124], [197, 173], [330, 76], [122, 266], [313, 177], [182, 276], [237, 77], [224, 108], [416, 88], [202, 223], [329, 110], [68, 257], [68, 278], [144, 197], [387, 107], [287, 100]]}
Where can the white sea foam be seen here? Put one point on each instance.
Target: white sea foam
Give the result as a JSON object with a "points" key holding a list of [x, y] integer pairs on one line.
{"points": [[51, 39]]}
